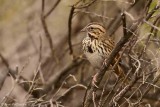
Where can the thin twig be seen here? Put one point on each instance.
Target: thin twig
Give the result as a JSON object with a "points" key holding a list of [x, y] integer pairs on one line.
{"points": [[94, 14], [52, 9], [148, 38], [47, 34], [55, 78], [148, 88], [100, 103], [63, 83], [70, 89], [86, 4], [155, 27], [70, 29], [111, 91]]}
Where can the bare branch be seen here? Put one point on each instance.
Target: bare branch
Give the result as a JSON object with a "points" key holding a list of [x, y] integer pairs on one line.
{"points": [[70, 29], [52, 9], [47, 34]]}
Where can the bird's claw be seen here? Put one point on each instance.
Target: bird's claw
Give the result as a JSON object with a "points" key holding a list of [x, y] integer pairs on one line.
{"points": [[94, 80]]}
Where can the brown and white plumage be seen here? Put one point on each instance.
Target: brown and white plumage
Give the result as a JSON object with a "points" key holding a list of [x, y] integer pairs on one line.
{"points": [[97, 46]]}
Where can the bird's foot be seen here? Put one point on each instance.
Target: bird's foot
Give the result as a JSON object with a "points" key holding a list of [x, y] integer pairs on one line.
{"points": [[94, 80]]}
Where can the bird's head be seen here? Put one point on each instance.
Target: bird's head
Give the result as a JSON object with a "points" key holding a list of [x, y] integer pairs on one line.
{"points": [[94, 30]]}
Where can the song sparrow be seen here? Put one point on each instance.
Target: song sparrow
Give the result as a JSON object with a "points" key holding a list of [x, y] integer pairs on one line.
{"points": [[97, 46]]}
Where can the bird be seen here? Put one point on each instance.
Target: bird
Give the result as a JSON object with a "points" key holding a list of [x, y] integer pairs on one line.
{"points": [[97, 46]]}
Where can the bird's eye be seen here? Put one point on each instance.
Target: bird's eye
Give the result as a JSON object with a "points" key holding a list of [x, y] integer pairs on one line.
{"points": [[91, 28]]}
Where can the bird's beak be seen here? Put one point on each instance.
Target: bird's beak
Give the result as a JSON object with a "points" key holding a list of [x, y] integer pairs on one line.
{"points": [[83, 30]]}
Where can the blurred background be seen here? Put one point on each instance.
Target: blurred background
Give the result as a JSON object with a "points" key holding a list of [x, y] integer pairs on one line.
{"points": [[37, 65]]}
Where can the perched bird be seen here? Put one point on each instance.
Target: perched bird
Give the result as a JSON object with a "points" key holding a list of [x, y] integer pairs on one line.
{"points": [[97, 46]]}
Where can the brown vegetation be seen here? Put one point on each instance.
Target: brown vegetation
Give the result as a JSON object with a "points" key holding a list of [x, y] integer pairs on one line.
{"points": [[41, 59]]}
